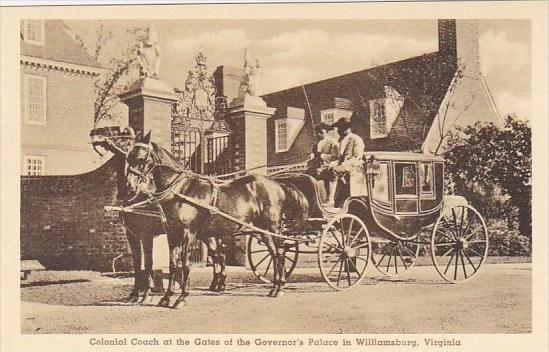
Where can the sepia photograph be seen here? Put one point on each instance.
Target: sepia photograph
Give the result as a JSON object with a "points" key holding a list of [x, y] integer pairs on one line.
{"points": [[278, 180]]}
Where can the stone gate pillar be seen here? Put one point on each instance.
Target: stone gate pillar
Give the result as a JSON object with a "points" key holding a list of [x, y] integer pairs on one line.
{"points": [[248, 116], [149, 104]]}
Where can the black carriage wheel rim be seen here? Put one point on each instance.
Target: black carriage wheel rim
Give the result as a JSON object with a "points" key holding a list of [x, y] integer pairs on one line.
{"points": [[466, 253], [338, 264]]}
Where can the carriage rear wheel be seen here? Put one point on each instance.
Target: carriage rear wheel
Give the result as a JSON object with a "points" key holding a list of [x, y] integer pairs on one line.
{"points": [[344, 251], [394, 257], [261, 261], [459, 243]]}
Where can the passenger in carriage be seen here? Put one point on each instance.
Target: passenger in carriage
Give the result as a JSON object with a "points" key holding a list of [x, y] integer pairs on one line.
{"points": [[324, 153], [351, 151]]}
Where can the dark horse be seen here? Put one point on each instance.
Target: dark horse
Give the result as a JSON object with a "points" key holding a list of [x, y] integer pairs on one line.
{"points": [[140, 229], [187, 200]]}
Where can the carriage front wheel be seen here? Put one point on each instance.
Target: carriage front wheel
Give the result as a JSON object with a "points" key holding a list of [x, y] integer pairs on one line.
{"points": [[261, 261], [344, 251], [459, 243]]}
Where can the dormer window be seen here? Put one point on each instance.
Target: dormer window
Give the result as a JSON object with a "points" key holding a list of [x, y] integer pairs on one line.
{"points": [[384, 111], [33, 32], [287, 129]]}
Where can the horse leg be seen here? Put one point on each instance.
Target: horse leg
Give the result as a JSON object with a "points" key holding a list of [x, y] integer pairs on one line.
{"points": [[135, 247], [281, 253], [147, 252], [222, 257], [185, 271], [269, 242], [213, 254], [174, 257]]}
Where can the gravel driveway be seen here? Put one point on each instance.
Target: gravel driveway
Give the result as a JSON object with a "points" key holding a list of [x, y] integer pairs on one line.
{"points": [[498, 300]]}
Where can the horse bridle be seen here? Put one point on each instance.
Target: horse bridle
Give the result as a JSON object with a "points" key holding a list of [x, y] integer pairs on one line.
{"points": [[144, 175]]}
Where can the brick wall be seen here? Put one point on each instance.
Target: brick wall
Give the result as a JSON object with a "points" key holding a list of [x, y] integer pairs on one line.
{"points": [[64, 225]]}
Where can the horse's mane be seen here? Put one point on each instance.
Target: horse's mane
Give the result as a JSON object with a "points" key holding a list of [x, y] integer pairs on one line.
{"points": [[166, 158]]}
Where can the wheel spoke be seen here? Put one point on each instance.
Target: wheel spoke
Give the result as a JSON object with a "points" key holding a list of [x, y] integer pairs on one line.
{"points": [[456, 265], [449, 262], [444, 244], [477, 241], [389, 262], [267, 269], [348, 271], [383, 249], [339, 275], [261, 261], [365, 244], [354, 266], [471, 262], [332, 269], [402, 258], [259, 251], [360, 258], [461, 222], [449, 227], [327, 258], [290, 259], [409, 251], [463, 263], [356, 236], [338, 249], [446, 253], [473, 232], [474, 251], [337, 239], [439, 231], [350, 231], [396, 266]]}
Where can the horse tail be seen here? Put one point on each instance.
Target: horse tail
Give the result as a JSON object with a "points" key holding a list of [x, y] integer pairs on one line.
{"points": [[296, 205]]}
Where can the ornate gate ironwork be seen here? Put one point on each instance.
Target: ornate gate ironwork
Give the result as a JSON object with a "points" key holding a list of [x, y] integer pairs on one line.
{"points": [[200, 136]]}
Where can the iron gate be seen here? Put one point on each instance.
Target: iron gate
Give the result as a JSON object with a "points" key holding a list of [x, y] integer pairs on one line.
{"points": [[218, 156]]}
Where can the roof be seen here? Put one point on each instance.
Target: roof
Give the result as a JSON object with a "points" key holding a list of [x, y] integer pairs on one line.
{"points": [[422, 80], [59, 45]]}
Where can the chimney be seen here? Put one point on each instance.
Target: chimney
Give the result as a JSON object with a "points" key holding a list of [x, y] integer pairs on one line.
{"points": [[459, 40], [447, 37]]}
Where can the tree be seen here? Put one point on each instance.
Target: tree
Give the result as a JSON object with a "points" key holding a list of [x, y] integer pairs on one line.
{"points": [[119, 61], [494, 163]]}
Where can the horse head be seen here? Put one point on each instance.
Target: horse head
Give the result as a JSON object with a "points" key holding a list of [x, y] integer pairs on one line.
{"points": [[141, 163]]}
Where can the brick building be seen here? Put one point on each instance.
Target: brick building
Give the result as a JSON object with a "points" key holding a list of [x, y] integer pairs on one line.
{"points": [[407, 105], [57, 96]]}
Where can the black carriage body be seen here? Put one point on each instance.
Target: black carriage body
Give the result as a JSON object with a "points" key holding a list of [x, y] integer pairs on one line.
{"points": [[405, 193]]}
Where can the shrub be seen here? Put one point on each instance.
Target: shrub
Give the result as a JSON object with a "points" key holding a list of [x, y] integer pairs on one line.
{"points": [[505, 241]]}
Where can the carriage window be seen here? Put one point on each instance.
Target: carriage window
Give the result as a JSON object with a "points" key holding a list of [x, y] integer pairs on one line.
{"points": [[405, 174], [426, 178], [380, 184]]}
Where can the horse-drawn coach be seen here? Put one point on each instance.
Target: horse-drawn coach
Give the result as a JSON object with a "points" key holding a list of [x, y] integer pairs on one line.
{"points": [[404, 213]]}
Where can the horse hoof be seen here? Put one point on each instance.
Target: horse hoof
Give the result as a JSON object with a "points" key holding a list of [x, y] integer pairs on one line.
{"points": [[164, 302], [178, 304], [271, 293], [221, 288], [279, 293], [145, 299], [132, 299]]}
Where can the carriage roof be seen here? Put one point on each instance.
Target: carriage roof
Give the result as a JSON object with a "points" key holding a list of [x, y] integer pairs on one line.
{"points": [[402, 156]]}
